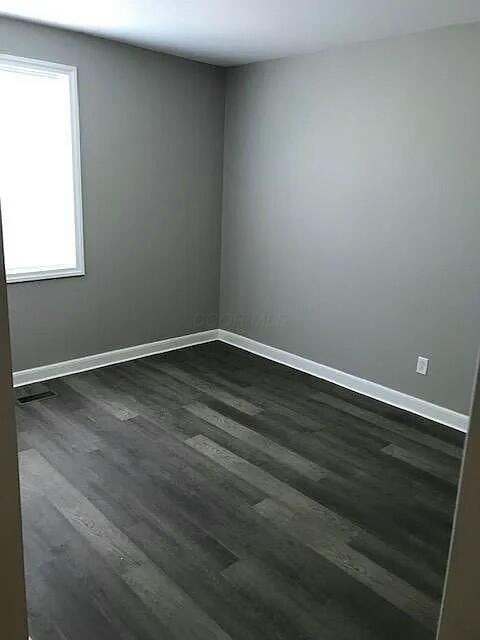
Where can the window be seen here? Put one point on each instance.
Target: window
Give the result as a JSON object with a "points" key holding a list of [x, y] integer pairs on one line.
{"points": [[40, 183]]}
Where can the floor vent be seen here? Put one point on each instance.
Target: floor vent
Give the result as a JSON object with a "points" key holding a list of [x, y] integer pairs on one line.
{"points": [[36, 396]]}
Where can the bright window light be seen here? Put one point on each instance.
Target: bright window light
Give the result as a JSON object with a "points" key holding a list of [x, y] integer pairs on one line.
{"points": [[40, 184]]}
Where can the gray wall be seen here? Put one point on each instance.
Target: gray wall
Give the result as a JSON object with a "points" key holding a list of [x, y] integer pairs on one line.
{"points": [[352, 209], [152, 149]]}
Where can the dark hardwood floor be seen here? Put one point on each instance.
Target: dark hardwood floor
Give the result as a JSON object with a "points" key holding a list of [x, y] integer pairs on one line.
{"points": [[210, 494]]}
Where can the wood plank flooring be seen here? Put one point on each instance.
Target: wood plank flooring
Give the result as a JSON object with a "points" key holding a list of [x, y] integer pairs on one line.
{"points": [[209, 494]]}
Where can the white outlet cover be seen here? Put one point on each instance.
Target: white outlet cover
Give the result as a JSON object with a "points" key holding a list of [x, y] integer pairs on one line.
{"points": [[422, 365]]}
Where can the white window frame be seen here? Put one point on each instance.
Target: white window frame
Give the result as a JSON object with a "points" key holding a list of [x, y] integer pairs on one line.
{"points": [[53, 68]]}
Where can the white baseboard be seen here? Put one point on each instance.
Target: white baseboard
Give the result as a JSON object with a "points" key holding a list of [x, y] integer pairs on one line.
{"points": [[420, 407], [49, 371]]}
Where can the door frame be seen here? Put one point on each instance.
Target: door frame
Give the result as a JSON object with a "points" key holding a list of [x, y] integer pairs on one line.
{"points": [[13, 614], [460, 613]]}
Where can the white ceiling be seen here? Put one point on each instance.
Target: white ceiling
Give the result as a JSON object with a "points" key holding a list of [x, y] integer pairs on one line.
{"points": [[231, 32]]}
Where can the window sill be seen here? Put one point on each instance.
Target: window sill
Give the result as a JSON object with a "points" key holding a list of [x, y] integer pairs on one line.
{"points": [[44, 275]]}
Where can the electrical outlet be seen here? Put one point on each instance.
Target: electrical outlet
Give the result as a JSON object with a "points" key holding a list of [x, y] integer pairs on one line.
{"points": [[422, 365]]}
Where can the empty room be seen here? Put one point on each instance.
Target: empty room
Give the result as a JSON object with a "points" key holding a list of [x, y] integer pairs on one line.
{"points": [[239, 320]]}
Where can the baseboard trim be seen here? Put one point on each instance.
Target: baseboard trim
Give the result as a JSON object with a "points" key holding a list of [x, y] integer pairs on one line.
{"points": [[68, 367], [398, 399]]}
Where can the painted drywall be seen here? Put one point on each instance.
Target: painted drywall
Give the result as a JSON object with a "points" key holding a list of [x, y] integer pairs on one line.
{"points": [[13, 615], [151, 129], [351, 210]]}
